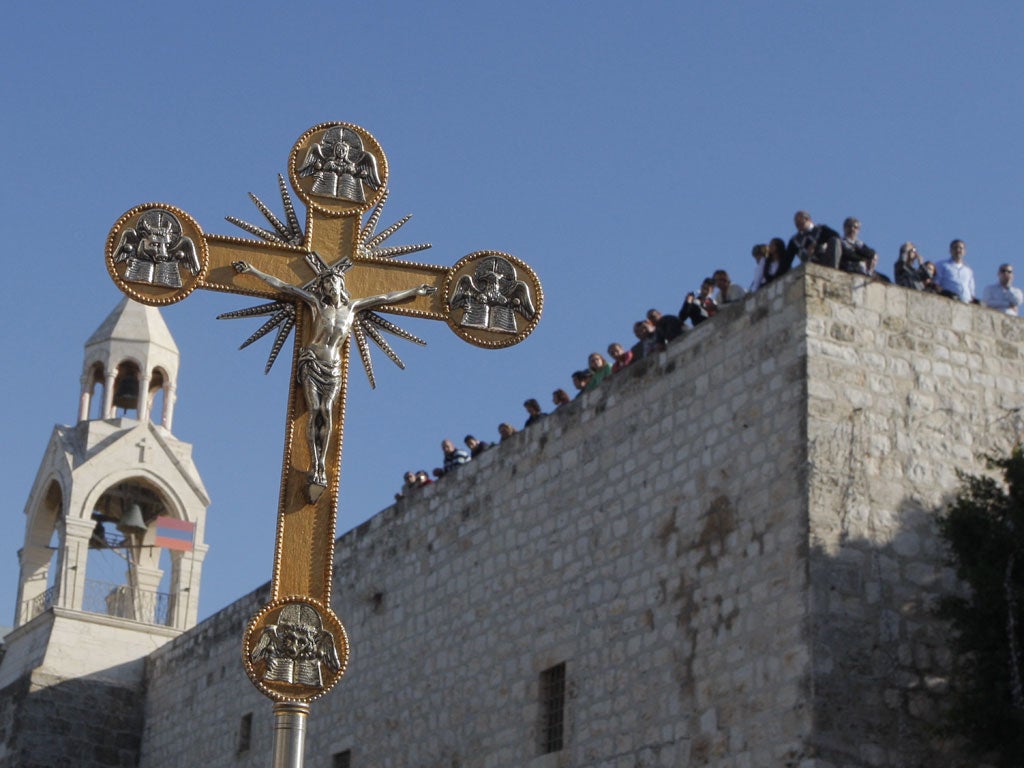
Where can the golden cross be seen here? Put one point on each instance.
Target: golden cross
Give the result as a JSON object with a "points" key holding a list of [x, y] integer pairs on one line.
{"points": [[328, 279]]}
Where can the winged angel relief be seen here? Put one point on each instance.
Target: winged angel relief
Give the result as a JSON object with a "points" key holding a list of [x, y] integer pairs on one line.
{"points": [[492, 297], [155, 249], [340, 166], [296, 646]]}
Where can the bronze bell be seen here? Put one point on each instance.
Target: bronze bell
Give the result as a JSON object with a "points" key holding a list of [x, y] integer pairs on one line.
{"points": [[126, 393], [132, 521]]}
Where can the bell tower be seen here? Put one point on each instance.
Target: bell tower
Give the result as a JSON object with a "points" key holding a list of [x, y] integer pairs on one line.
{"points": [[131, 364], [115, 519]]}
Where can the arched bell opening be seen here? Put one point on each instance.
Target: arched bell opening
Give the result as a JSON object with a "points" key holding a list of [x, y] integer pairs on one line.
{"points": [[126, 389], [157, 397], [124, 577], [41, 557]]}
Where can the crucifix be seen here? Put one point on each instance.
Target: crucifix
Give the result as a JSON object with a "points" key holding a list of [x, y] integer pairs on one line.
{"points": [[330, 278]]}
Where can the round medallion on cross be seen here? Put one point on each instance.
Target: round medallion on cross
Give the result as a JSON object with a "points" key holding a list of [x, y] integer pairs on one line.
{"points": [[338, 169]]}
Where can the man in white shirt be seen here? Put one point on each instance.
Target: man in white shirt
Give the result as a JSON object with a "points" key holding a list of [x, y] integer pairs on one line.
{"points": [[1002, 295], [954, 278]]}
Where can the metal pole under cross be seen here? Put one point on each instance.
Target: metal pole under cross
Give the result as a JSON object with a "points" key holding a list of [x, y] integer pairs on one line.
{"points": [[330, 278]]}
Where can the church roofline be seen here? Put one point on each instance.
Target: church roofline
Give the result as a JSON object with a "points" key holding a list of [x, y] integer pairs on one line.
{"points": [[134, 322]]}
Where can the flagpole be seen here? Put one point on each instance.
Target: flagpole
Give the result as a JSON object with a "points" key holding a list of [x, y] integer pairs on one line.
{"points": [[191, 570]]}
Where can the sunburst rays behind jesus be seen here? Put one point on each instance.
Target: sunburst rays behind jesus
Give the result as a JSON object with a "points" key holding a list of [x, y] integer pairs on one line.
{"points": [[368, 324]]}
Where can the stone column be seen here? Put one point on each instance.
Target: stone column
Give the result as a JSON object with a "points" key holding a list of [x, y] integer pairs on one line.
{"points": [[170, 392], [186, 573], [32, 583], [108, 394], [145, 582], [86, 397], [143, 401], [73, 562]]}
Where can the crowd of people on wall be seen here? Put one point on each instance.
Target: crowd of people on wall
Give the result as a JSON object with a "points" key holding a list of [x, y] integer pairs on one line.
{"points": [[817, 243]]}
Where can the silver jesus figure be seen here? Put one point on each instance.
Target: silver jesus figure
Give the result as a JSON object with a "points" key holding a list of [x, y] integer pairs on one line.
{"points": [[319, 362]]}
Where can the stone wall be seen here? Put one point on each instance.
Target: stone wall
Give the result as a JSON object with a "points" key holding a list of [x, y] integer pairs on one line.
{"points": [[652, 536], [905, 389], [198, 695], [71, 690], [77, 723], [730, 547]]}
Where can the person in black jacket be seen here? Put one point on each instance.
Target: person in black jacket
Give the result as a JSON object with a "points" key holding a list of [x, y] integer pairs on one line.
{"points": [[814, 242], [857, 257]]}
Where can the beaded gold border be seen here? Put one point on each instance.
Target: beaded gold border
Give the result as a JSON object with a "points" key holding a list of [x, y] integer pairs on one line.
{"points": [[279, 691], [477, 336], [155, 295], [303, 186]]}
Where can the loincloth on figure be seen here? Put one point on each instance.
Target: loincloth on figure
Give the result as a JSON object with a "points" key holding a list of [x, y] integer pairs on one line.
{"points": [[324, 375]]}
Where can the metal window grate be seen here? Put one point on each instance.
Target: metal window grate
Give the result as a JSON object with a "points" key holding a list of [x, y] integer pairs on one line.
{"points": [[552, 709]]}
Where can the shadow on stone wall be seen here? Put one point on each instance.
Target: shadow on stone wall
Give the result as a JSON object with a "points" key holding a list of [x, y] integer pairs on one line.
{"points": [[81, 723], [881, 661]]}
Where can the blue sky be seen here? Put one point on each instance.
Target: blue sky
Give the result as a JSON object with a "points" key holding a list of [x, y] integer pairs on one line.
{"points": [[625, 151]]}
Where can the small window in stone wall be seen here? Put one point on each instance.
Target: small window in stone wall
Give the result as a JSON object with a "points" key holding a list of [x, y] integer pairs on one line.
{"points": [[342, 759], [244, 733], [552, 709]]}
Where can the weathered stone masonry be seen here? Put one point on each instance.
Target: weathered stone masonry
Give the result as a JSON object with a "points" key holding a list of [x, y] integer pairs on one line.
{"points": [[730, 547], [904, 390]]}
